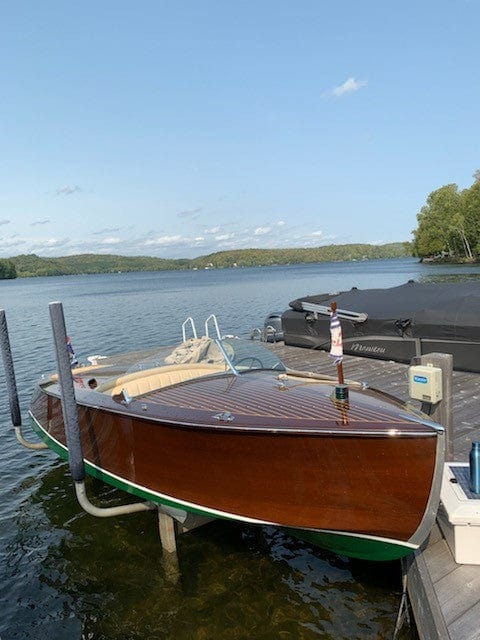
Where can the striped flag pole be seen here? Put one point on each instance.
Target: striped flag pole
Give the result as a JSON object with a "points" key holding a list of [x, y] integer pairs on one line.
{"points": [[71, 353], [336, 351], [336, 347]]}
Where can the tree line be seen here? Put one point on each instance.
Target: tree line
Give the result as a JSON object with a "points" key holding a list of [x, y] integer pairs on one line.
{"points": [[7, 270], [448, 229], [328, 253], [30, 265], [449, 224]]}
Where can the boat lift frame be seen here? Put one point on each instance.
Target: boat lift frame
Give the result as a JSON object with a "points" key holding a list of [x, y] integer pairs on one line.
{"points": [[14, 404], [167, 516]]}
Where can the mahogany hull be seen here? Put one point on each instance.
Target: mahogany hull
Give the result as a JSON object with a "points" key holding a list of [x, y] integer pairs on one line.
{"points": [[365, 482]]}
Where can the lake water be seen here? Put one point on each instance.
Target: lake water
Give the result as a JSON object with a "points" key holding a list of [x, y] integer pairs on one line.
{"points": [[66, 575]]}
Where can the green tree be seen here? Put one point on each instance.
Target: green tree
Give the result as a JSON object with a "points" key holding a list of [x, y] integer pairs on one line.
{"points": [[471, 209], [439, 222], [7, 270]]}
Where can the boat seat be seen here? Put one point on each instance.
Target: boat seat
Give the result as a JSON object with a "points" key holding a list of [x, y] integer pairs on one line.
{"points": [[141, 382], [78, 371]]}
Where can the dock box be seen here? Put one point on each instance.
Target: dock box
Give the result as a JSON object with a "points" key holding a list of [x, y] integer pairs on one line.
{"points": [[459, 514], [425, 383]]}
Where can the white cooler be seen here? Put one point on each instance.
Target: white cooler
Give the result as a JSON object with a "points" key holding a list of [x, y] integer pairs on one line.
{"points": [[459, 514]]}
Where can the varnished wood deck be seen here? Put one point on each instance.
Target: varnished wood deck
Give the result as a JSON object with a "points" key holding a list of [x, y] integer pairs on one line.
{"points": [[445, 596]]}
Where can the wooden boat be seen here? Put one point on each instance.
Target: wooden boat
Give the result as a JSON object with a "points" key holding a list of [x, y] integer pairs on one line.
{"points": [[219, 427]]}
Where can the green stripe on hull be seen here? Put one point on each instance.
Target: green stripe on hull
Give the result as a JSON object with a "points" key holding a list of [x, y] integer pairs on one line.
{"points": [[353, 546], [114, 481], [341, 544]]}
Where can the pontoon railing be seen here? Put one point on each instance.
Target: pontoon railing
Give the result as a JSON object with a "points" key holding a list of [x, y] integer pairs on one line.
{"points": [[354, 316]]}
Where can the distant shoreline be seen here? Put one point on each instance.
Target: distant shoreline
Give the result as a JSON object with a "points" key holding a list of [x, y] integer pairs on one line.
{"points": [[31, 265]]}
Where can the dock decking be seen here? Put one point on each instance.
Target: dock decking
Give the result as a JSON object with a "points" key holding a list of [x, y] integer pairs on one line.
{"points": [[445, 596]]}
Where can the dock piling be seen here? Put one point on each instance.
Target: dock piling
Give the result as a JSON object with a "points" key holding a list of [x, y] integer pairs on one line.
{"points": [[166, 528], [10, 380], [442, 411], [72, 427]]}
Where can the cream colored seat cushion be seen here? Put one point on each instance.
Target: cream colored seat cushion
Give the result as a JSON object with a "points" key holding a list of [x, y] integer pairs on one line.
{"points": [[141, 382]]}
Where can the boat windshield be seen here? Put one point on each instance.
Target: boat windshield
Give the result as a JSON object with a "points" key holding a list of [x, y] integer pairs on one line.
{"points": [[229, 354], [245, 355]]}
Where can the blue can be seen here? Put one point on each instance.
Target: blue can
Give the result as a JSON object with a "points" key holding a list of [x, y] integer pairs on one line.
{"points": [[475, 468]]}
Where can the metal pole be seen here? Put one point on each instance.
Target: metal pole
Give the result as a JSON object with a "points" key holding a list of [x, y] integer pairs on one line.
{"points": [[15, 412], [9, 372], [69, 403], [72, 427]]}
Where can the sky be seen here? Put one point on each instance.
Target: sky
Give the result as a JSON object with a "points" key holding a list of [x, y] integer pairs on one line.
{"points": [[180, 128]]}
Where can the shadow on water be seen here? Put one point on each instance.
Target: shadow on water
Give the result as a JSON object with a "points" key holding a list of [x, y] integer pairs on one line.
{"points": [[88, 578]]}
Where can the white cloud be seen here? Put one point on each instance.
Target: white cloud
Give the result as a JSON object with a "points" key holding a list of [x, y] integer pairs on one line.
{"points": [[40, 222], [107, 230], [349, 86], [2, 222], [165, 241], [50, 242], [315, 237], [261, 231], [7, 243], [55, 246], [188, 213], [111, 241], [168, 242], [67, 190]]}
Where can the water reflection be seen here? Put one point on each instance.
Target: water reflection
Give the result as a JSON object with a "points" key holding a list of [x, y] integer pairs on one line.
{"points": [[449, 277], [105, 578], [66, 575]]}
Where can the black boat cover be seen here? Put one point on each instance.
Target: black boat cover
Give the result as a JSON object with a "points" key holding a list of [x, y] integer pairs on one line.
{"points": [[448, 311]]}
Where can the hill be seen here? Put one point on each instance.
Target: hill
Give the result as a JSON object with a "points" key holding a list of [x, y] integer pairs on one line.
{"points": [[33, 265], [329, 253]]}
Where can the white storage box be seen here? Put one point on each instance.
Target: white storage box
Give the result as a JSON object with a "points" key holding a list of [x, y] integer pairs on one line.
{"points": [[459, 514], [425, 383]]}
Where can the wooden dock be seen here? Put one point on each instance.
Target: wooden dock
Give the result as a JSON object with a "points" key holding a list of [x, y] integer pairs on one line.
{"points": [[445, 596]]}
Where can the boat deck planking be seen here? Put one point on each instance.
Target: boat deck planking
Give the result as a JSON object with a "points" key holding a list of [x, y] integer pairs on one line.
{"points": [[445, 596]]}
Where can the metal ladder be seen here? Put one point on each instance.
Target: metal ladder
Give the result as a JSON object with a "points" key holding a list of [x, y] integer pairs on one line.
{"points": [[212, 319]]}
